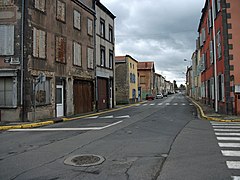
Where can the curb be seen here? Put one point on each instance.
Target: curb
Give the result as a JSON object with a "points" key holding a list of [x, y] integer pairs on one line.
{"points": [[202, 114], [64, 119]]}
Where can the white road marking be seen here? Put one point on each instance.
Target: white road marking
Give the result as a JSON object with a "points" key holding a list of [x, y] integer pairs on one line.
{"points": [[152, 104], [232, 145], [235, 177], [93, 117], [160, 104], [67, 129], [137, 104], [127, 116], [231, 153], [183, 104], [226, 124], [233, 164], [144, 104], [175, 104], [190, 104], [228, 138], [227, 127], [226, 130], [167, 104], [227, 134], [107, 117]]}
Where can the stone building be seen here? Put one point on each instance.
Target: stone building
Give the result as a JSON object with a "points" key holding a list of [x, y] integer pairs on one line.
{"points": [[126, 79], [47, 62]]}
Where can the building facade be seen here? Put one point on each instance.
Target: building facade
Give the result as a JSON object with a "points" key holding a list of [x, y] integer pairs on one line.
{"points": [[126, 79], [47, 58], [146, 76], [105, 61], [219, 37], [160, 86]]}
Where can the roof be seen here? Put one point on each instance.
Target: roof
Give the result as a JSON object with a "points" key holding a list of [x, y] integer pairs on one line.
{"points": [[120, 59], [101, 6], [146, 65]]}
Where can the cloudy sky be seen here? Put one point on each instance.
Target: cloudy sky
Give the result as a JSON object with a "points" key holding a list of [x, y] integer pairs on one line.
{"points": [[163, 31]]}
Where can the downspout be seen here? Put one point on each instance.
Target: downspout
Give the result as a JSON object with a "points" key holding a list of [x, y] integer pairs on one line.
{"points": [[22, 61], [215, 60], [95, 57]]}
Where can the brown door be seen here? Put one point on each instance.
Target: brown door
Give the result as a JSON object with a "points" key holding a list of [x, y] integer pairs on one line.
{"points": [[102, 94], [82, 96]]}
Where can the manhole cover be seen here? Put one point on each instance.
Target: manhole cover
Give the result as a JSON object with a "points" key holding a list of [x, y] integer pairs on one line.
{"points": [[84, 160]]}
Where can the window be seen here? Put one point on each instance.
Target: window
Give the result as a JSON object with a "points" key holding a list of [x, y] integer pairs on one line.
{"points": [[211, 51], [90, 58], [110, 59], [39, 43], [102, 28], [132, 78], [43, 94], [203, 35], [6, 40], [61, 10], [218, 41], [6, 2], [7, 92], [40, 5], [103, 56], [142, 79], [77, 19], [110, 34], [77, 54], [90, 27], [60, 49], [221, 87], [218, 5]]}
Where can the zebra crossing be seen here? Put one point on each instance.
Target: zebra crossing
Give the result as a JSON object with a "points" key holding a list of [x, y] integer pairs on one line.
{"points": [[164, 104], [228, 136]]}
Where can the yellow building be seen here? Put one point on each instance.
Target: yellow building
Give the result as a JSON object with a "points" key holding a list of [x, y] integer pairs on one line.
{"points": [[126, 79]]}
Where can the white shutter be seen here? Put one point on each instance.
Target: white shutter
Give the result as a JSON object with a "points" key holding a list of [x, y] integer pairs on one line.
{"points": [[222, 86], [35, 42], [77, 54], [6, 39], [211, 51], [77, 19], [218, 5], [42, 44], [210, 17], [90, 58], [214, 10]]}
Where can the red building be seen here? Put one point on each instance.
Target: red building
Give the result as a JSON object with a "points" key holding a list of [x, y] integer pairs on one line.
{"points": [[219, 38]]}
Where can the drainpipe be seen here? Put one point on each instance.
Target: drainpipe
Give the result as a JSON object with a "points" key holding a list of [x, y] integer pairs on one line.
{"points": [[95, 57], [215, 59], [22, 60]]}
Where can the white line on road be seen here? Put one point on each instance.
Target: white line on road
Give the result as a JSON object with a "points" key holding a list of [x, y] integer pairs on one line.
{"points": [[226, 124], [230, 145], [183, 104], [152, 104], [190, 104], [67, 129], [235, 177], [107, 117], [144, 104], [167, 104], [224, 127], [93, 117], [233, 164], [160, 104], [175, 104], [228, 138], [127, 116], [231, 153], [227, 134], [227, 130]]}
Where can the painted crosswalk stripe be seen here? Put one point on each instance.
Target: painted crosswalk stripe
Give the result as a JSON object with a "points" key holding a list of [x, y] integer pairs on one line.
{"points": [[93, 117], [175, 104], [228, 138], [227, 127], [144, 104], [231, 153], [160, 104], [227, 134], [226, 124], [227, 130], [229, 145], [167, 104], [233, 164], [235, 177], [183, 104], [152, 104]]}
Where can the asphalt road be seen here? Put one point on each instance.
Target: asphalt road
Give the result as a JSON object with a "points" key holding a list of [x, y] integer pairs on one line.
{"points": [[161, 139]]}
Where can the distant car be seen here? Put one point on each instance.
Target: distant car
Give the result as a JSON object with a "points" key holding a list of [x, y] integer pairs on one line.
{"points": [[165, 94], [159, 96], [149, 97]]}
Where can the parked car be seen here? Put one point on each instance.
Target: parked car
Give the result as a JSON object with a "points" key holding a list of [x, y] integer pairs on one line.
{"points": [[149, 97], [159, 96], [165, 94]]}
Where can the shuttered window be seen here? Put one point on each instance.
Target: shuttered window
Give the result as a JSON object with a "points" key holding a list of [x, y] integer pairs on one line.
{"points": [[6, 39], [60, 49], [40, 5], [8, 97], [77, 19], [61, 9], [77, 54], [90, 27], [6, 2], [90, 58], [39, 43], [218, 43], [43, 94], [103, 56], [211, 51], [110, 59]]}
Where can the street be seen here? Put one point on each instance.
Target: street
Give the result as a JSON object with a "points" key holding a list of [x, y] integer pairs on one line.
{"points": [[161, 139]]}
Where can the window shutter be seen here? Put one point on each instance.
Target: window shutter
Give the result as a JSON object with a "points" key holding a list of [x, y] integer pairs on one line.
{"points": [[218, 5], [42, 44], [222, 86], [7, 40], [77, 19], [90, 58], [211, 51], [210, 17], [35, 42]]}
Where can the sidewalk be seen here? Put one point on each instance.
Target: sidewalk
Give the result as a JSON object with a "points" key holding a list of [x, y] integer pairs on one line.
{"points": [[208, 113]]}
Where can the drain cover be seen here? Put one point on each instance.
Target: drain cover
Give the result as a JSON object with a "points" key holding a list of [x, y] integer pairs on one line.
{"points": [[84, 160]]}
